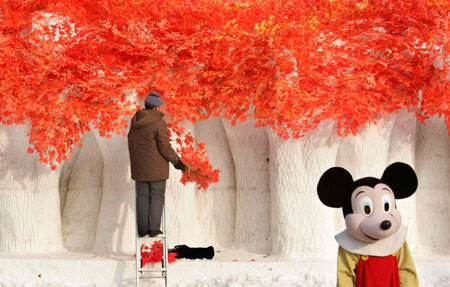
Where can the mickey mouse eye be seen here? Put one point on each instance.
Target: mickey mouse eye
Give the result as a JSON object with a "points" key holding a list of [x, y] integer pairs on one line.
{"points": [[366, 206], [386, 202]]}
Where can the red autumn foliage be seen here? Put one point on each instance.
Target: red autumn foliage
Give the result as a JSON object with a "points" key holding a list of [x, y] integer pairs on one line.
{"points": [[155, 253], [65, 65], [194, 155]]}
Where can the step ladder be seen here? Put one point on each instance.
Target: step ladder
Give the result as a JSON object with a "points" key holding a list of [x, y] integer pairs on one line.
{"points": [[149, 271]]}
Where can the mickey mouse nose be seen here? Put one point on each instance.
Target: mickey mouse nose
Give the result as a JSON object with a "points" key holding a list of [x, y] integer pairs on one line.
{"points": [[385, 225]]}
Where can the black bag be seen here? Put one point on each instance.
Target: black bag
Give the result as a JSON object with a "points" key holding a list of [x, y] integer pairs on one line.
{"points": [[184, 251]]}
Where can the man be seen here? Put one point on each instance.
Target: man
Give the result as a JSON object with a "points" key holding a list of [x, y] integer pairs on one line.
{"points": [[150, 153]]}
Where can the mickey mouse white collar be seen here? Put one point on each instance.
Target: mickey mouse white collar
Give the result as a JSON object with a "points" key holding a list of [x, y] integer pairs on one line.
{"points": [[382, 247]]}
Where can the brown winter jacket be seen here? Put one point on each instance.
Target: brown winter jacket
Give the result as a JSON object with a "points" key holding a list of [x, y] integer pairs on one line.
{"points": [[149, 147]]}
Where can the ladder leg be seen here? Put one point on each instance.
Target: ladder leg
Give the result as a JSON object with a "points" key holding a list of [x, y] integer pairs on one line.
{"points": [[166, 255], [138, 259], [138, 247]]}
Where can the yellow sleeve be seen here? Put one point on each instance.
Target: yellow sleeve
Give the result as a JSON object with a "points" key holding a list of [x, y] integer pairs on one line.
{"points": [[406, 268], [347, 261]]}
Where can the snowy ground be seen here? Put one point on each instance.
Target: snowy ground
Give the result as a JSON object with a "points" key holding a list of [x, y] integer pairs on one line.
{"points": [[231, 268]]}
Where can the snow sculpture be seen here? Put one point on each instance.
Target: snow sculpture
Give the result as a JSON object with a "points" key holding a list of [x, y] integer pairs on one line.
{"points": [[250, 149], [366, 153], [402, 147], [81, 187], [259, 205], [116, 222], [216, 207], [180, 205], [433, 170], [30, 218], [295, 166]]}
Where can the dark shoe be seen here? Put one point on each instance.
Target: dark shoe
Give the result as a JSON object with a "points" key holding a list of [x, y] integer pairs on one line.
{"points": [[154, 233], [142, 234]]}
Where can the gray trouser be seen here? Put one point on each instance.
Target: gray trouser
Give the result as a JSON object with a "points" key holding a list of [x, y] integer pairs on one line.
{"points": [[149, 205]]}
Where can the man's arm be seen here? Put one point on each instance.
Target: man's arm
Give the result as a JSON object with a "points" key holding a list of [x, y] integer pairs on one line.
{"points": [[406, 268], [164, 147], [346, 276]]}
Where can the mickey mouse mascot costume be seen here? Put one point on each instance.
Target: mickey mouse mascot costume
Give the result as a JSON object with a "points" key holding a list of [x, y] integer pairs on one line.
{"points": [[372, 250]]}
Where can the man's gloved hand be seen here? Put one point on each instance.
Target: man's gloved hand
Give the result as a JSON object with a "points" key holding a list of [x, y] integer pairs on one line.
{"points": [[182, 166]]}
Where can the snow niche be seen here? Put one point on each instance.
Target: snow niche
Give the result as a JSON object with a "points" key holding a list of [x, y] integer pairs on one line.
{"points": [[216, 207], [300, 222], [98, 195], [81, 187], [250, 150], [30, 218], [433, 196]]}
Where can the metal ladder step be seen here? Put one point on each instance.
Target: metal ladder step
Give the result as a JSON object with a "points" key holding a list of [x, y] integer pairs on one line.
{"points": [[153, 277], [160, 236], [152, 269], [157, 236]]}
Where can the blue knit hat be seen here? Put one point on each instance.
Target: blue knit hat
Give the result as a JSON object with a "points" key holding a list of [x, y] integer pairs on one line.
{"points": [[153, 99]]}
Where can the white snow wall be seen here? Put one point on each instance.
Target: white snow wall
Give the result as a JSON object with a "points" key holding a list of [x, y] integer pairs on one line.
{"points": [[265, 201], [80, 198], [30, 218], [250, 150], [300, 222]]}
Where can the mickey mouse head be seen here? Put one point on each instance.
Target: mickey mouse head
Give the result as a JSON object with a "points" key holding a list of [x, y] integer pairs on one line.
{"points": [[368, 203]]}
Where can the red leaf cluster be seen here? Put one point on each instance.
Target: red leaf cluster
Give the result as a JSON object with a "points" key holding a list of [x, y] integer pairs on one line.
{"points": [[155, 253], [65, 65], [193, 154]]}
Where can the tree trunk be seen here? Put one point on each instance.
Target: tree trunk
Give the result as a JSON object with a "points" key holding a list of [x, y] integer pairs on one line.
{"points": [[300, 222], [402, 148], [216, 207], [117, 218], [81, 187], [365, 154], [433, 196], [30, 219], [250, 149]]}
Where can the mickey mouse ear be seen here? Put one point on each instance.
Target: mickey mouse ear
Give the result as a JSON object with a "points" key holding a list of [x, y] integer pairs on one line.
{"points": [[401, 178], [333, 186]]}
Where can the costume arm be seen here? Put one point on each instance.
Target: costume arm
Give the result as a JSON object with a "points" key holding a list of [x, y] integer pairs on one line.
{"points": [[347, 261], [164, 147], [406, 268]]}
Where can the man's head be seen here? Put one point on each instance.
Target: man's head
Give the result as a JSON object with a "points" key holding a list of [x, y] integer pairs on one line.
{"points": [[153, 100]]}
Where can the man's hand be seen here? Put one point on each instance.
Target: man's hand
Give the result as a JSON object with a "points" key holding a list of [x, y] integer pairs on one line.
{"points": [[180, 165]]}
